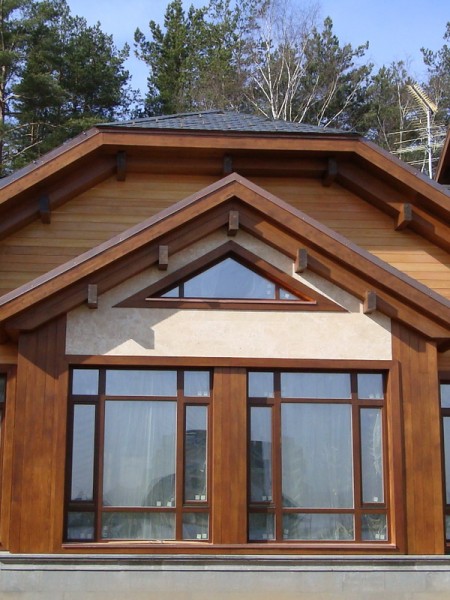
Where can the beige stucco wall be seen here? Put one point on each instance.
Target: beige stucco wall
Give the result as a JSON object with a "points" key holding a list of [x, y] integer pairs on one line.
{"points": [[220, 333]]}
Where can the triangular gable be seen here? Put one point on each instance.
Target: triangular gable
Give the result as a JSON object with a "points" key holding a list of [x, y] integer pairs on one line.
{"points": [[305, 298], [261, 214]]}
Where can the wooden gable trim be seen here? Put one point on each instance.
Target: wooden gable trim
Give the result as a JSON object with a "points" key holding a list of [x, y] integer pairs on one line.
{"points": [[308, 299], [263, 215]]}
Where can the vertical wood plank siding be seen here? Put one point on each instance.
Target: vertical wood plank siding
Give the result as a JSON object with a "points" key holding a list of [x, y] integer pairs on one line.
{"points": [[423, 462], [39, 441]]}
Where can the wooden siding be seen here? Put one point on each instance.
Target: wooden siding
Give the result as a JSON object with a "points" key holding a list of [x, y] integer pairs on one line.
{"points": [[111, 207], [422, 447], [39, 441]]}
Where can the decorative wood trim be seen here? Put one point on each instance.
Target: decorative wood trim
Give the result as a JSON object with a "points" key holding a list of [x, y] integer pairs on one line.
{"points": [[405, 217], [370, 303], [44, 209], [331, 172], [92, 295], [121, 165], [163, 258], [301, 260], [233, 222], [227, 168]]}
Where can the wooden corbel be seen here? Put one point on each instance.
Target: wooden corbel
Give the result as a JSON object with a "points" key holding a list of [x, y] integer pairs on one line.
{"points": [[163, 258], [370, 303], [301, 261], [233, 222], [44, 209], [121, 165], [92, 295], [405, 217], [330, 173]]}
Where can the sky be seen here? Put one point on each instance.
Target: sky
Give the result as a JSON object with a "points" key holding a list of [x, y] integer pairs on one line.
{"points": [[395, 29]]}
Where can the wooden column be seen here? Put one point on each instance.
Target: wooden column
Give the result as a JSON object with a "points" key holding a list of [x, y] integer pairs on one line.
{"points": [[39, 441], [229, 516], [422, 441]]}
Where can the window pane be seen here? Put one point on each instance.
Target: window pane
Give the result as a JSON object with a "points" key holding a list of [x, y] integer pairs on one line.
{"points": [[195, 526], [83, 453], [141, 383], [138, 526], [139, 453], [315, 385], [445, 395], [80, 526], [2, 388], [229, 279], [260, 454], [317, 465], [371, 455], [260, 384], [447, 527], [318, 527], [370, 385], [85, 382], [195, 463], [285, 295], [374, 527], [261, 526], [172, 293], [196, 383], [446, 423]]}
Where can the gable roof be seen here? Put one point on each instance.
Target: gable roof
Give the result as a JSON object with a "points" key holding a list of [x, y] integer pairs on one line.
{"points": [[262, 215]]}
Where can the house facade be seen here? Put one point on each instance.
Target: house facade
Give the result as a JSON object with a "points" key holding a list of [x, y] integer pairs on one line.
{"points": [[225, 346]]}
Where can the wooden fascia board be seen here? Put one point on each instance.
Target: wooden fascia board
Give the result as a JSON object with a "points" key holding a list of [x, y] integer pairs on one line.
{"points": [[444, 160], [303, 229]]}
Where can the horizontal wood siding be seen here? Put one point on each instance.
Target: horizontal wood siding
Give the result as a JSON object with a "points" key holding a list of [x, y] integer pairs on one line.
{"points": [[422, 434], [39, 441]]}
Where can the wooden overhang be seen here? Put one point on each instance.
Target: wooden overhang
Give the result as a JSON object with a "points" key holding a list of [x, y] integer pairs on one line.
{"points": [[262, 215], [104, 151]]}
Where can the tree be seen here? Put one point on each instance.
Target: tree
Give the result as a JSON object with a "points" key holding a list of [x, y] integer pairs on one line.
{"points": [[438, 82]]}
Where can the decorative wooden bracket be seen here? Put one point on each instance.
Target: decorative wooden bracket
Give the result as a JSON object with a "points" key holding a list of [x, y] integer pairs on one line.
{"points": [[370, 303], [92, 295], [163, 258], [227, 164], [405, 217], [44, 209], [233, 222], [121, 164], [331, 172], [301, 261]]}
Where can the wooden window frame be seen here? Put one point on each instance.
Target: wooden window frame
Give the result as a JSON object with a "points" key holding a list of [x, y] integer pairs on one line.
{"points": [[6, 451]]}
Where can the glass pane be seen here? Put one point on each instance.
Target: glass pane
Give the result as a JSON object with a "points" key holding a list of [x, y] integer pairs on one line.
{"points": [[2, 388], [317, 465], [260, 454], [195, 451], [261, 526], [172, 293], [141, 383], [285, 295], [370, 385], [139, 453], [83, 453], [447, 527], [446, 423], [445, 395], [372, 455], [138, 526], [315, 385], [229, 279], [195, 526], [196, 383], [318, 527], [85, 382], [374, 528], [260, 384], [80, 526]]}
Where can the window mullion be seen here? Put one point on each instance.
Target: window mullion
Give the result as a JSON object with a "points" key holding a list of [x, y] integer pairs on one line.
{"points": [[98, 460], [179, 481], [276, 457]]}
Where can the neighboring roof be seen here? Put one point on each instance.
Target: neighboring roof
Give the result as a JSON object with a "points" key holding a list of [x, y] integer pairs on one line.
{"points": [[220, 120]]}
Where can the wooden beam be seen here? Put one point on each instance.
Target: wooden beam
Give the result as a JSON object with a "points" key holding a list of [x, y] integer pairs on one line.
{"points": [[121, 162], [233, 222], [92, 295], [163, 258], [331, 172], [227, 164], [301, 260], [405, 216], [44, 209], [370, 303]]}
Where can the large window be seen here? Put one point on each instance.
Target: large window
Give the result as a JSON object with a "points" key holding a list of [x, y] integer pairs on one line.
{"points": [[138, 455], [445, 411], [316, 467]]}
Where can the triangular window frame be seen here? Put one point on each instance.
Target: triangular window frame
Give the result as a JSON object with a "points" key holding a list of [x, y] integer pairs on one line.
{"points": [[306, 299]]}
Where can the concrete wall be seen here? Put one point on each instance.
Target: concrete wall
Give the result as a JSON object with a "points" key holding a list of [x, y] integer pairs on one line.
{"points": [[224, 578]]}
